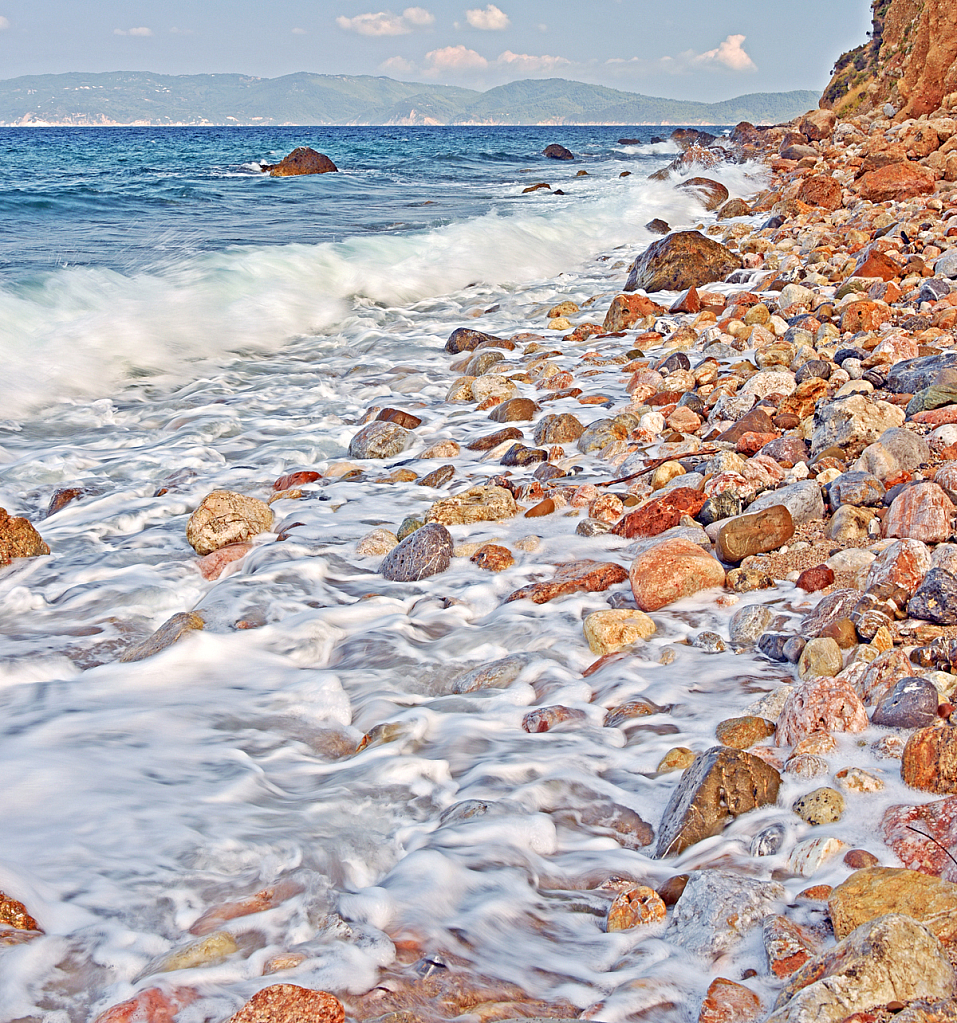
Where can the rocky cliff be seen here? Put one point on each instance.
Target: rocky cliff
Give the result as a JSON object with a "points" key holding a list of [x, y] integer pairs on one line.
{"points": [[909, 63]]}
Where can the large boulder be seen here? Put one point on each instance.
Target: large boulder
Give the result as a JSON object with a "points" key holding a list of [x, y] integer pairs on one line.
{"points": [[710, 193], [681, 260], [302, 160], [558, 152], [896, 182]]}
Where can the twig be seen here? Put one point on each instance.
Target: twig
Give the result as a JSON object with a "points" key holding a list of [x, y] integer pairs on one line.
{"points": [[932, 839], [654, 465]]}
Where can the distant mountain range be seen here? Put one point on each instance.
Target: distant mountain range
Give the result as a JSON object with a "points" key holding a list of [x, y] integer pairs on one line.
{"points": [[144, 98]]}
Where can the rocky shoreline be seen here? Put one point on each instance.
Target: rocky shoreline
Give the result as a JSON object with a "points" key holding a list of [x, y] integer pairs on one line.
{"points": [[788, 417]]}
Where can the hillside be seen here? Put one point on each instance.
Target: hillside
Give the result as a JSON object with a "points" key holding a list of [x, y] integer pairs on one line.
{"points": [[303, 98]]}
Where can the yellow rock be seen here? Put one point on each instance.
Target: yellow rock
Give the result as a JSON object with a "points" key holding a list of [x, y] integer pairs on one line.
{"points": [[214, 948], [563, 309], [443, 449], [560, 323], [635, 907], [676, 759], [610, 631], [665, 473]]}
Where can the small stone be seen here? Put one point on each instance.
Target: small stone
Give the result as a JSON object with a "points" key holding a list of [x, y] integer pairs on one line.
{"points": [[857, 859], [747, 624], [438, 477], [213, 948], [19, 539], [672, 889], [727, 1001], [813, 579], [635, 907], [676, 759], [806, 765], [492, 557], [755, 533], [225, 517], [636, 708], [744, 732], [212, 566], [912, 703], [769, 841], [170, 632], [288, 1003], [809, 856], [822, 806], [788, 945], [842, 632], [820, 657], [498, 674], [478, 504], [14, 914], [609, 631], [407, 527], [856, 779], [573, 577], [929, 762], [820, 704], [709, 643], [543, 719], [424, 553], [747, 580]]}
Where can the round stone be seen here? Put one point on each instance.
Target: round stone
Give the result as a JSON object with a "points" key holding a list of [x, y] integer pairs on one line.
{"points": [[822, 806], [912, 703]]}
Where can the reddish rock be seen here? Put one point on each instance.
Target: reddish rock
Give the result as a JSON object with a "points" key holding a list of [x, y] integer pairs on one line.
{"points": [[64, 496], [751, 443], [14, 914], [857, 859], [930, 760], [288, 1003], [150, 1006], [396, 415], [670, 570], [921, 836], [18, 539], [876, 264], [822, 704], [902, 564], [515, 410], [635, 907], [788, 945], [755, 421], [817, 578], [729, 1002], [864, 315], [301, 160], [878, 678], [268, 898], [543, 719], [896, 182], [710, 193], [626, 310], [921, 512], [296, 479], [682, 260], [573, 577], [660, 513], [821, 190], [754, 533], [213, 565], [493, 558], [686, 302]]}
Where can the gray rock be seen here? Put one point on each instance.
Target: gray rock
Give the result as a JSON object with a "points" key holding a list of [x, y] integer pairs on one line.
{"points": [[912, 375], [860, 489], [769, 841], [718, 908], [912, 703], [748, 624], [935, 600], [803, 500], [426, 552], [834, 606], [933, 289], [599, 434], [498, 674], [909, 448], [709, 643], [852, 422], [379, 440], [946, 265]]}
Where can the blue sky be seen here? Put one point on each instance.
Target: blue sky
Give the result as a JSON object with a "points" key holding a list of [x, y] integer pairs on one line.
{"points": [[688, 49]]}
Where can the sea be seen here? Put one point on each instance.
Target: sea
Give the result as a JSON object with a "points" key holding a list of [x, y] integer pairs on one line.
{"points": [[174, 321]]}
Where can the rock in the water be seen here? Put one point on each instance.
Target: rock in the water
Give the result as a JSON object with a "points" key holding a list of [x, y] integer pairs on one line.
{"points": [[721, 784], [672, 569], [742, 733], [301, 160], [573, 577], [499, 674], [892, 959], [788, 945], [426, 552], [558, 152], [627, 310], [922, 836], [711, 194], [717, 908], [379, 439], [289, 1003], [378, 541], [921, 512], [874, 891], [820, 705], [610, 631], [729, 1002], [822, 806], [560, 429], [635, 907], [681, 260], [748, 624], [660, 513], [820, 656], [912, 703], [18, 539], [170, 632], [754, 533], [929, 762], [515, 410], [225, 517], [478, 504]]}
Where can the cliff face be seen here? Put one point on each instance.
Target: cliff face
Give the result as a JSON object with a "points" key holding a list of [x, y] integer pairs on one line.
{"points": [[910, 62]]}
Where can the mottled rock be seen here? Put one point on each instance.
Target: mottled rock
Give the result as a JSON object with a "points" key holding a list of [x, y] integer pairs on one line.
{"points": [[821, 190], [820, 705], [379, 439], [212, 566], [902, 564], [787, 945], [515, 410], [544, 719], [929, 762], [851, 423], [425, 552], [721, 784], [561, 429], [635, 907], [803, 500], [609, 631], [225, 517], [830, 609], [809, 856], [857, 488], [921, 512], [729, 1002], [672, 569], [498, 674], [822, 806], [921, 836], [744, 732], [820, 657], [748, 623], [912, 703], [627, 310], [573, 577], [681, 260], [895, 182], [477, 504], [660, 513], [600, 434], [493, 557], [288, 1003]]}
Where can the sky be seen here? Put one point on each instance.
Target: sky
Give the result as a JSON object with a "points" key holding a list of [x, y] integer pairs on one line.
{"points": [[685, 49]]}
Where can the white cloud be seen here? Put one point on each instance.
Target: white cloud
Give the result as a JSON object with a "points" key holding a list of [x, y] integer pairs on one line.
{"points": [[491, 19], [298, 31], [730, 53], [141, 31], [385, 23], [529, 64], [4, 23], [398, 66], [180, 31], [453, 59]]}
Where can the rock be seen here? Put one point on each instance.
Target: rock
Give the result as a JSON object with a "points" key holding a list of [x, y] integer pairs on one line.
{"points": [[821, 190], [822, 806], [864, 315], [659, 226], [465, 339], [212, 566], [718, 908], [912, 375], [929, 762], [672, 569], [817, 578], [874, 891], [493, 557], [936, 598], [861, 489], [851, 423], [921, 836], [803, 500], [912, 703], [676, 759], [821, 704], [14, 914], [808, 857], [711, 194], [424, 553], [728, 1002], [609, 631], [573, 577], [301, 160], [788, 945], [742, 733], [830, 609], [407, 527], [170, 632], [820, 657], [637, 708], [477, 504], [558, 152], [379, 439], [720, 785], [386, 415], [660, 513], [213, 948], [19, 539], [754, 533], [543, 719], [635, 907], [746, 580], [681, 260], [600, 434], [515, 410], [850, 524], [288, 1003], [769, 841], [498, 674], [732, 208], [627, 310], [872, 264], [890, 959], [921, 512], [150, 1006], [895, 182], [903, 564], [225, 517], [748, 624], [560, 429]]}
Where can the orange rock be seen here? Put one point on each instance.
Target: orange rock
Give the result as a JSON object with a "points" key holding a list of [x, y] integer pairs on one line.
{"points": [[626, 310], [660, 513], [895, 182], [573, 577], [268, 898], [18, 539], [728, 1002], [150, 1006], [212, 566], [864, 315], [14, 914], [929, 762], [921, 512], [635, 907], [670, 570], [543, 719], [493, 558], [288, 1003], [686, 302], [877, 265], [821, 190], [788, 945], [822, 704]]}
